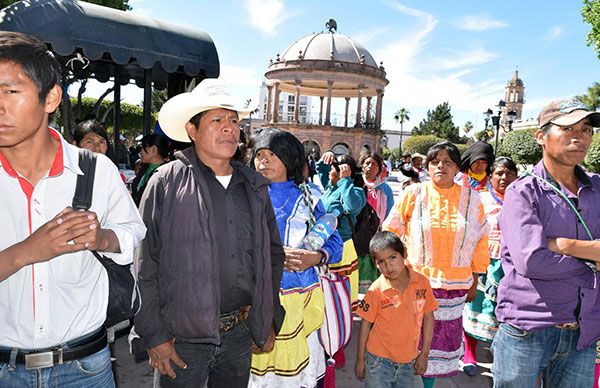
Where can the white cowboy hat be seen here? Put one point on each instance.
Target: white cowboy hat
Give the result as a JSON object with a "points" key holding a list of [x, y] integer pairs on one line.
{"points": [[211, 93]]}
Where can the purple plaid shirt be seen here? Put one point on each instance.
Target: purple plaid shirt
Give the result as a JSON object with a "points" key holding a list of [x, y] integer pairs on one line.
{"points": [[541, 288]]}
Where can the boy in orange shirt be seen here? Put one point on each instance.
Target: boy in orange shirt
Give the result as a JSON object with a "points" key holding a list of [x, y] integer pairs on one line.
{"points": [[398, 304]]}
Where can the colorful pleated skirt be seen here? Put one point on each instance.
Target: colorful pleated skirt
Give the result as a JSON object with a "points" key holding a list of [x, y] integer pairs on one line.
{"points": [[297, 358]]}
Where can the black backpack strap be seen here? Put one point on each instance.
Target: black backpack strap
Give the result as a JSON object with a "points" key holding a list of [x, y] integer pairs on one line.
{"points": [[82, 200]]}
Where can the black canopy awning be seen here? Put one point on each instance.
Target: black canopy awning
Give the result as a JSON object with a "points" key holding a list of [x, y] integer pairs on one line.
{"points": [[116, 42], [93, 41]]}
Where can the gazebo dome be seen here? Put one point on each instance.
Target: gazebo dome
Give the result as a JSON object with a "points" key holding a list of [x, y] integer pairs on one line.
{"points": [[326, 46]]}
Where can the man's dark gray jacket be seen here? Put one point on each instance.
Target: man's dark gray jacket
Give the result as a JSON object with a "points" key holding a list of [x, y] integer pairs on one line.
{"points": [[179, 274]]}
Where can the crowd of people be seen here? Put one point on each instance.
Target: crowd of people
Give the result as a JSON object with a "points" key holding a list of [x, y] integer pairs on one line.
{"points": [[231, 292]]}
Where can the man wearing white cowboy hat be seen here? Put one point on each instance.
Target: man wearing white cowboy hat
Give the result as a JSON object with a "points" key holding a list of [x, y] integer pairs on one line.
{"points": [[549, 299], [212, 260]]}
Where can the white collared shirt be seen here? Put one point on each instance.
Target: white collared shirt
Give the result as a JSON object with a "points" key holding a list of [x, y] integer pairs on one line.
{"points": [[49, 303]]}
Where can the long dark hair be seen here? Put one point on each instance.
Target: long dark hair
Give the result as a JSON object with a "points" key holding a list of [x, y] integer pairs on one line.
{"points": [[451, 150], [87, 126], [373, 155], [354, 169], [160, 141], [505, 162]]}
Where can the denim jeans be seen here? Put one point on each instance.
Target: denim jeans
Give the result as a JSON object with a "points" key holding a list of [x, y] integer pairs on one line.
{"points": [[94, 371], [520, 356], [227, 365], [384, 373]]}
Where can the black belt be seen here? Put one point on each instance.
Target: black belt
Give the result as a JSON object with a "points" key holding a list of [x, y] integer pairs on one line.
{"points": [[230, 320], [44, 358]]}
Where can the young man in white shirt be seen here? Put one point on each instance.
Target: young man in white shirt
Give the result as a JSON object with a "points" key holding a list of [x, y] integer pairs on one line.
{"points": [[53, 291]]}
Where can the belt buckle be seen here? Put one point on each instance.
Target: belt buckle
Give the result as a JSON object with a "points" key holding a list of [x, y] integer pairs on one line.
{"points": [[568, 326], [39, 360], [229, 324]]}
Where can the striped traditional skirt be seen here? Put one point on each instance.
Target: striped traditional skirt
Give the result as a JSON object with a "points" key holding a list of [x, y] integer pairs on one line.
{"points": [[479, 317], [348, 266], [297, 359], [446, 346]]}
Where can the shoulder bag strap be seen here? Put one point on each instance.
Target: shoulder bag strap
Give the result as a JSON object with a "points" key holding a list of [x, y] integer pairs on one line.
{"points": [[82, 200], [84, 189]]}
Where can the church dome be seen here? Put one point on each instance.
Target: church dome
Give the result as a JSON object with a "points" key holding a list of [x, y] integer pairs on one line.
{"points": [[328, 46]]}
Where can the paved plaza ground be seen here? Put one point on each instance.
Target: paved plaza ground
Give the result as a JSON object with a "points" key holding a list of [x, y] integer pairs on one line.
{"points": [[129, 374]]}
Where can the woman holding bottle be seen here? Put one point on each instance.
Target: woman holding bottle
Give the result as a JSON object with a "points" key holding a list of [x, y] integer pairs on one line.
{"points": [[297, 358]]}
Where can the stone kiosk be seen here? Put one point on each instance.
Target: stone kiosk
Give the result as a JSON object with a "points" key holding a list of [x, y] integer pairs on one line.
{"points": [[329, 65]]}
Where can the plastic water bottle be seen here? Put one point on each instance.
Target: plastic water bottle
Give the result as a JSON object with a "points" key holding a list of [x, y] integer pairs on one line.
{"points": [[321, 231]]}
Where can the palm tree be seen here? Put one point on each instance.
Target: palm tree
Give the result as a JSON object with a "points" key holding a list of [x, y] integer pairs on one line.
{"points": [[401, 117], [467, 127], [592, 98]]}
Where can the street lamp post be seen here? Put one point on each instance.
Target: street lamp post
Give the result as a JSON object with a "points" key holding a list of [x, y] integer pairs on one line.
{"points": [[496, 121], [511, 115], [488, 113]]}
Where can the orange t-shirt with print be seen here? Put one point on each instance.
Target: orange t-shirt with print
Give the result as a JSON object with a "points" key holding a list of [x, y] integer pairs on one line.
{"points": [[397, 317]]}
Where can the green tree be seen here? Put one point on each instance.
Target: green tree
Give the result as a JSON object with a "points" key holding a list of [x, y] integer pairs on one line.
{"points": [[132, 116], [592, 98], [591, 15], [521, 147], [592, 159], [438, 123], [483, 135], [420, 143], [401, 116]]}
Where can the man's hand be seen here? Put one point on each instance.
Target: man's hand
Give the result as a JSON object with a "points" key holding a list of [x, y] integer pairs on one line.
{"points": [[420, 365], [161, 357], [62, 234], [93, 237], [297, 259], [359, 368], [269, 343]]}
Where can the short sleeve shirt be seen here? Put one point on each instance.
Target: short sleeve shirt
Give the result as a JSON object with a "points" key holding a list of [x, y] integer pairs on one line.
{"points": [[397, 317]]}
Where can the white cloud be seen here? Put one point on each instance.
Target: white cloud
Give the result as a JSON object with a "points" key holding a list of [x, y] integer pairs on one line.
{"points": [[553, 33], [266, 15], [244, 82], [366, 36], [238, 76], [421, 78], [480, 23], [401, 53], [462, 59]]}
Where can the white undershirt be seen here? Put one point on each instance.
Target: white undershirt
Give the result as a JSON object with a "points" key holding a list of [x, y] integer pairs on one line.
{"points": [[224, 180]]}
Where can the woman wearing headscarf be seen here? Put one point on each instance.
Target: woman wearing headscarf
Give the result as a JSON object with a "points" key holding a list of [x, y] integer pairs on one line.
{"points": [[297, 359], [380, 197], [479, 317], [475, 166], [446, 230]]}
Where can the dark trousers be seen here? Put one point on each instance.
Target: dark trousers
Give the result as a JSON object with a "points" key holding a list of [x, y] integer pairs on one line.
{"points": [[227, 365]]}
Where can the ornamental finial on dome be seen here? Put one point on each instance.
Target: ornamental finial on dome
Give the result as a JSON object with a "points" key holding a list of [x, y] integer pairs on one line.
{"points": [[331, 25]]}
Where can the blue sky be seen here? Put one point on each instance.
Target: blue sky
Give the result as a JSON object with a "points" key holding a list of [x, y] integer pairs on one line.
{"points": [[459, 51]]}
